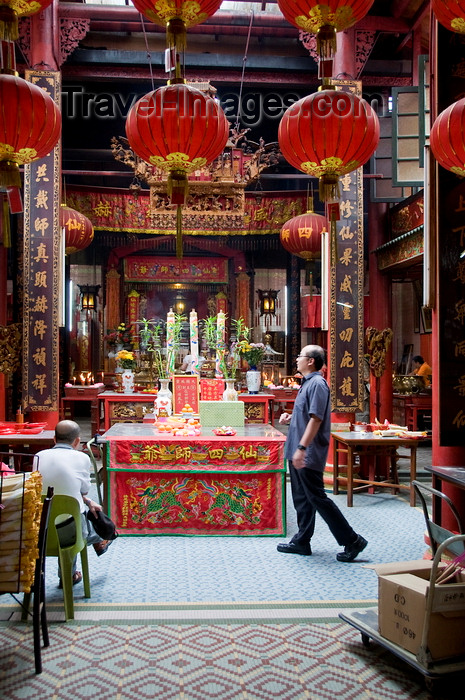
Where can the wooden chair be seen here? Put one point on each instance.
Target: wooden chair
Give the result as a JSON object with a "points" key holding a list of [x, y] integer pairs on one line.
{"points": [[39, 614]]}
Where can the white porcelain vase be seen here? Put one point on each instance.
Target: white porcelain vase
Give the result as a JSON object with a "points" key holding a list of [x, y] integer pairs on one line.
{"points": [[230, 393], [127, 379], [163, 404], [253, 379]]}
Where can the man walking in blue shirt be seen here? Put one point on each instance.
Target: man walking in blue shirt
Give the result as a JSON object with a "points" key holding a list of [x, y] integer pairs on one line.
{"points": [[306, 451]]}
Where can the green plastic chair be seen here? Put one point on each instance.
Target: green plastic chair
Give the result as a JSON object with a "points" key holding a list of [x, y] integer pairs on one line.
{"points": [[62, 508]]}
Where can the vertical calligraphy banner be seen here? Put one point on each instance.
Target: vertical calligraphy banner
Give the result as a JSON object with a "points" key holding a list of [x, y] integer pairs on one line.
{"points": [[42, 268], [346, 298]]}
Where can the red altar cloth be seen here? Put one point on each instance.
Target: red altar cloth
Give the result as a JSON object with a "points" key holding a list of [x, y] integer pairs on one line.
{"points": [[211, 485]]}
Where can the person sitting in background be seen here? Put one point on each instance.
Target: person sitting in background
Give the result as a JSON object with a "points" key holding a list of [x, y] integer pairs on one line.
{"points": [[67, 470], [422, 369]]}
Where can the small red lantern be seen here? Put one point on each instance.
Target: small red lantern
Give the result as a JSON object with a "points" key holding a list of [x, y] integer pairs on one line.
{"points": [[177, 15], [447, 138], [451, 14], [30, 126], [10, 10], [179, 129], [301, 235], [328, 134], [324, 18], [79, 231]]}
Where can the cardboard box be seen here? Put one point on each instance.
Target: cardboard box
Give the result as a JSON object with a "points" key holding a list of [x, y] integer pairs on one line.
{"points": [[403, 588], [214, 414]]}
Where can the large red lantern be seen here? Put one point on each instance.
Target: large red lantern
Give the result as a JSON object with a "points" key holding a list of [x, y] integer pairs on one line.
{"points": [[179, 129], [78, 229], [324, 18], [451, 14], [328, 134], [301, 235], [30, 126], [447, 138], [10, 10], [177, 15]]}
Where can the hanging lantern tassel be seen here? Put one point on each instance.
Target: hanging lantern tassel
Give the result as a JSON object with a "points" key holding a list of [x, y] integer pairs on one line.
{"points": [[179, 232], [326, 42], [9, 174], [329, 188], [8, 24], [176, 34]]}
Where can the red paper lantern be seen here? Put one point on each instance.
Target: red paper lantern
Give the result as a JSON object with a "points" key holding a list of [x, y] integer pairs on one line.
{"points": [[301, 235], [191, 13], [79, 231], [177, 15], [324, 18], [451, 14], [447, 138], [179, 129], [30, 126], [10, 10], [328, 134]]}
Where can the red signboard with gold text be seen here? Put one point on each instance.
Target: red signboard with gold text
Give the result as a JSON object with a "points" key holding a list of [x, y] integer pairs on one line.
{"points": [[186, 391], [141, 268]]}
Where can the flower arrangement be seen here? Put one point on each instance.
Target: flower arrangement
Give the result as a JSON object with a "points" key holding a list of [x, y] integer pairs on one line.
{"points": [[151, 336], [125, 359], [119, 336], [252, 353]]}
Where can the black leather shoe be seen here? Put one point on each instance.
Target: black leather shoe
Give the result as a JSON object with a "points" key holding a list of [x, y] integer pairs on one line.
{"points": [[351, 551], [291, 548]]}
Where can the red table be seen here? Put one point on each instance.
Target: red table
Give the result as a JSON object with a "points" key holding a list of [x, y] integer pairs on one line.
{"points": [[159, 484], [256, 407], [125, 408], [373, 447]]}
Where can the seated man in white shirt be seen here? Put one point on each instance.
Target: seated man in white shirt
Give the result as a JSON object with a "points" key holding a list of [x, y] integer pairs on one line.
{"points": [[68, 471]]}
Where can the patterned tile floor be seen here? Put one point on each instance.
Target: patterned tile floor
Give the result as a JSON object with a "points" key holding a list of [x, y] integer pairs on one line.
{"points": [[192, 618]]}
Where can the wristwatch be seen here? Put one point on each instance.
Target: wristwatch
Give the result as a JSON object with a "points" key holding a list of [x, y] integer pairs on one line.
{"points": [[301, 447]]}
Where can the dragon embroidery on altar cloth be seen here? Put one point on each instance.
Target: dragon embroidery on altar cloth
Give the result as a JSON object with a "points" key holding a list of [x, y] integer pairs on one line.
{"points": [[230, 504]]}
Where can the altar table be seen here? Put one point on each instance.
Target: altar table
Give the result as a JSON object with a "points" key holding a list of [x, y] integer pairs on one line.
{"points": [[372, 446], [159, 484]]}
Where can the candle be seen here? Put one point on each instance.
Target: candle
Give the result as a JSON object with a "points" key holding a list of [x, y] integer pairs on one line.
{"points": [[220, 324], [83, 379], [74, 380], [170, 320], [194, 338]]}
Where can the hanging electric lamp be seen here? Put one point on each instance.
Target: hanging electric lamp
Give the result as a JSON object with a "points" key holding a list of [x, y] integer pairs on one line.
{"points": [[324, 18], [328, 134], [78, 229], [450, 13], [30, 126], [178, 129], [10, 10], [447, 138]]}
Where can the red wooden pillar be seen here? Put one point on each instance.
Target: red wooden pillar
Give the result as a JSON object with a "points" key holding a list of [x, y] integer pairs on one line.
{"points": [[380, 311], [41, 383]]}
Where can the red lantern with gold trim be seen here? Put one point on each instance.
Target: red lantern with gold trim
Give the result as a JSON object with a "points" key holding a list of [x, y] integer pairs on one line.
{"points": [[10, 10], [177, 15], [447, 138], [324, 18], [451, 14], [301, 235], [179, 129], [78, 229], [30, 126], [328, 134]]}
